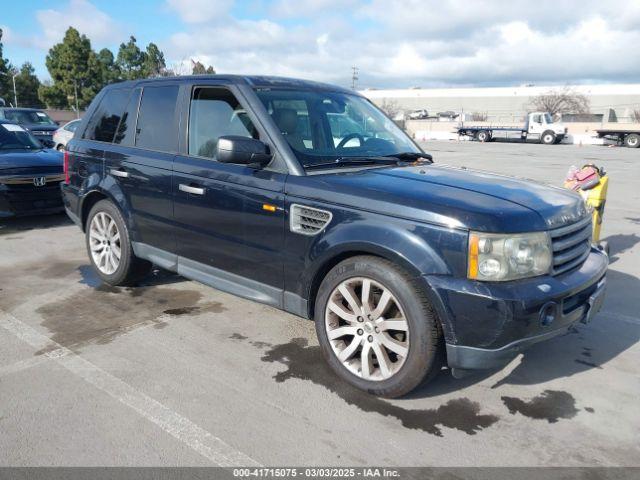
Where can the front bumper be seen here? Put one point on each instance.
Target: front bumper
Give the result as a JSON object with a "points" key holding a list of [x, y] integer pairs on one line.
{"points": [[487, 324], [22, 200]]}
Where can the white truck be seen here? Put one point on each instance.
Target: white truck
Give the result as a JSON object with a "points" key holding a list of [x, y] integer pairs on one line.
{"points": [[538, 125]]}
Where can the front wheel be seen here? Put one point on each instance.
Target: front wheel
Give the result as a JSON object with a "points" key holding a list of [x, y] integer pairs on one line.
{"points": [[632, 140], [483, 136], [548, 138], [376, 328], [109, 246]]}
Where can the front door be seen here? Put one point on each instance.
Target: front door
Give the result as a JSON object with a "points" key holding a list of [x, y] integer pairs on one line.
{"points": [[229, 219]]}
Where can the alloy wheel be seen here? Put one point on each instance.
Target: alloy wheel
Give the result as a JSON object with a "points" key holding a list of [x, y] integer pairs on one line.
{"points": [[367, 329], [104, 243]]}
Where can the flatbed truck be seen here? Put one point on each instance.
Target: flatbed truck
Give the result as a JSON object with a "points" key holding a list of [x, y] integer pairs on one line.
{"points": [[629, 137], [538, 125]]}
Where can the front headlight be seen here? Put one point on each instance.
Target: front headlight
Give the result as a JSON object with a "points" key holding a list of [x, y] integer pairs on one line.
{"points": [[498, 257]]}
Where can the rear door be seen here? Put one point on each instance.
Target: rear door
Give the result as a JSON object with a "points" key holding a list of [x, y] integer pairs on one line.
{"points": [[140, 162], [229, 218]]}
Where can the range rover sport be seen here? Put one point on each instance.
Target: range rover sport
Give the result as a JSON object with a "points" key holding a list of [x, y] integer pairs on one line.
{"points": [[306, 197]]}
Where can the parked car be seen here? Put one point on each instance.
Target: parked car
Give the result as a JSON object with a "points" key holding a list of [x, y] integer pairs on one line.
{"points": [[30, 176], [65, 133], [36, 121], [418, 115], [402, 264]]}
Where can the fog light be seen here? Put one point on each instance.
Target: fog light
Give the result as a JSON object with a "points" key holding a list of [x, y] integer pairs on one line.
{"points": [[548, 313]]}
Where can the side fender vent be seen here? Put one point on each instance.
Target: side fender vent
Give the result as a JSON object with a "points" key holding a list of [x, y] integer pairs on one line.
{"points": [[308, 220]]}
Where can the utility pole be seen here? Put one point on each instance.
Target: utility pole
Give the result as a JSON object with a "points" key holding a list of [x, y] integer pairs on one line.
{"points": [[354, 77], [75, 91], [15, 95]]}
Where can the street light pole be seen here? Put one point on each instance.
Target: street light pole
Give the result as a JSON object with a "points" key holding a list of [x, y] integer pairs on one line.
{"points": [[15, 95]]}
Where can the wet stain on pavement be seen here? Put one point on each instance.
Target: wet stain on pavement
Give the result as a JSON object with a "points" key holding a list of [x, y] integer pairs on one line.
{"points": [[551, 405], [305, 362], [98, 315], [589, 409], [237, 336]]}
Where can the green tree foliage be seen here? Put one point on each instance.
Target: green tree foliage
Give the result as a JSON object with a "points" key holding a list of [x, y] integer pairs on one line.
{"points": [[6, 84], [27, 85], [198, 68], [74, 69], [106, 64], [154, 64], [131, 60]]}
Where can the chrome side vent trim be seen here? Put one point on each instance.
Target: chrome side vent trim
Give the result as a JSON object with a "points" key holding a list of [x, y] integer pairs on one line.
{"points": [[308, 220]]}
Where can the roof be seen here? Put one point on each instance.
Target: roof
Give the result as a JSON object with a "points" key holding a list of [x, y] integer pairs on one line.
{"points": [[251, 80], [526, 91]]}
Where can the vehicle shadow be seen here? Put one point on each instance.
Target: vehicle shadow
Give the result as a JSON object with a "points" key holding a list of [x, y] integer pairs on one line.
{"points": [[157, 277], [583, 348], [620, 243], [23, 224]]}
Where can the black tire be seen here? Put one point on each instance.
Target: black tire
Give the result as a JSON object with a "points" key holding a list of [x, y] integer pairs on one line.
{"points": [[632, 140], [60, 148], [483, 136], [425, 351], [548, 138], [131, 268]]}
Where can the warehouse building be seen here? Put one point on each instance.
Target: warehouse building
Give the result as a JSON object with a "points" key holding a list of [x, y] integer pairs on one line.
{"points": [[608, 102]]}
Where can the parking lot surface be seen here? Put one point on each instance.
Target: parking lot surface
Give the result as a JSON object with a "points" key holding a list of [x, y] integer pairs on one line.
{"points": [[172, 372]]}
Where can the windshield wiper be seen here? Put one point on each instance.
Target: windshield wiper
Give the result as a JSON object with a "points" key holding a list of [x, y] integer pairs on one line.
{"points": [[350, 161], [411, 156]]}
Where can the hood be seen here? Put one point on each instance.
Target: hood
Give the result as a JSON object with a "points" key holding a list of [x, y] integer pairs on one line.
{"points": [[454, 197], [15, 161]]}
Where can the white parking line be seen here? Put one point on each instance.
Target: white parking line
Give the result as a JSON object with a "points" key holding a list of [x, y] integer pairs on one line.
{"points": [[22, 365], [183, 429]]}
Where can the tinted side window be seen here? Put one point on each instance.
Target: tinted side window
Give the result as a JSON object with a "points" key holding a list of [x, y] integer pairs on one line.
{"points": [[215, 112], [104, 122], [155, 129], [127, 128]]}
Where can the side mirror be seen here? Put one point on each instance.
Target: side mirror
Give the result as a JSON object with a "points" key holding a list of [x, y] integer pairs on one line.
{"points": [[243, 151]]}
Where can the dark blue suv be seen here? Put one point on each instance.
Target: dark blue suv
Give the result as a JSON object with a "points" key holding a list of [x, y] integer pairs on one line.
{"points": [[306, 197]]}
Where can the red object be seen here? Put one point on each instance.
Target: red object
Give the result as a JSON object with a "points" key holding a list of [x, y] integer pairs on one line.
{"points": [[66, 167]]}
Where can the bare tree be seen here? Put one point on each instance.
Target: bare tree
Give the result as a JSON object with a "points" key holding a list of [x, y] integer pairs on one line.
{"points": [[635, 116], [390, 107], [557, 102], [479, 117]]}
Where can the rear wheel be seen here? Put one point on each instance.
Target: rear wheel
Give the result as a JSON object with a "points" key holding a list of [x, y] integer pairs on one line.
{"points": [[548, 138], [376, 328], [109, 246], [483, 136], [632, 140]]}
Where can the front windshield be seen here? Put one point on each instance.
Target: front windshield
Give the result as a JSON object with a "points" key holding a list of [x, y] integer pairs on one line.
{"points": [[28, 117], [547, 118], [15, 137], [323, 127]]}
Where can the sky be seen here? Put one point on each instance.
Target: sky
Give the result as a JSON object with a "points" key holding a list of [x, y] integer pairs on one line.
{"points": [[394, 43]]}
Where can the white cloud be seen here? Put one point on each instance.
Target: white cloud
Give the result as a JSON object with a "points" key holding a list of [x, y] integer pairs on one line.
{"points": [[80, 14], [425, 42], [200, 11]]}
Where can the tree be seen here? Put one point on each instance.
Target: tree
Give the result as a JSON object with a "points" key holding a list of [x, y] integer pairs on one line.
{"points": [[635, 116], [131, 60], [27, 85], [390, 107], [52, 95], [154, 64], [198, 68], [105, 63], [73, 67], [557, 102], [6, 71]]}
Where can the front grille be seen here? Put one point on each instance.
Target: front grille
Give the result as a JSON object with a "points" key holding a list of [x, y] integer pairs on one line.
{"points": [[571, 245], [24, 197]]}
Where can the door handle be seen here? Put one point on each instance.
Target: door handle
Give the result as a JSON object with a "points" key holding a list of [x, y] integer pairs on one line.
{"points": [[119, 173], [190, 189]]}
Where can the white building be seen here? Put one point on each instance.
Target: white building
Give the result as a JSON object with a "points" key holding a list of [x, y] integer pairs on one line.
{"points": [[509, 104]]}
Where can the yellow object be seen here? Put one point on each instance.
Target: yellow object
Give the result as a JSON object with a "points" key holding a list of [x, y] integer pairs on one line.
{"points": [[595, 198], [473, 256], [269, 208]]}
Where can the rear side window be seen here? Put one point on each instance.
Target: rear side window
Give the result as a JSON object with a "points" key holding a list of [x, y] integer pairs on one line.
{"points": [[104, 122], [127, 128], [155, 129]]}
